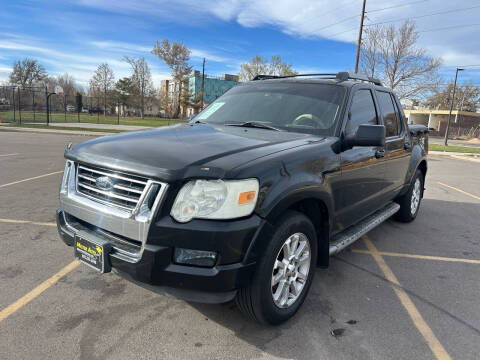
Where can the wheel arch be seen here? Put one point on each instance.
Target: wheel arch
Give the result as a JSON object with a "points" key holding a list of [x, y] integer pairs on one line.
{"points": [[316, 207]]}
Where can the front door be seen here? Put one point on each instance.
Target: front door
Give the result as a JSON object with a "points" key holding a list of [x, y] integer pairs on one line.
{"points": [[362, 170]]}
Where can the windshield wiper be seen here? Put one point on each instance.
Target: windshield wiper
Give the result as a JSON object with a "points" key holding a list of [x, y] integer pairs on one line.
{"points": [[253, 124]]}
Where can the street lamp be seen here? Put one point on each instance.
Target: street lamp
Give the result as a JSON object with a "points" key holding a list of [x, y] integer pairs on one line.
{"points": [[451, 107]]}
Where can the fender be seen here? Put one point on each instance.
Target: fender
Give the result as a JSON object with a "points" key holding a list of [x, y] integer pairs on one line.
{"points": [[277, 198], [418, 155]]}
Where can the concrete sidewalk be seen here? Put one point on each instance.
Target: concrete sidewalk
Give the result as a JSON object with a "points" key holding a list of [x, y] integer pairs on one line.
{"points": [[440, 140], [83, 129], [101, 126]]}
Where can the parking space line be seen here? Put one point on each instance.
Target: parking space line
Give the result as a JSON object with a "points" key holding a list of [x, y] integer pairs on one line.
{"points": [[32, 178], [2, 155], [423, 257], [24, 300], [14, 221], [435, 346], [459, 190]]}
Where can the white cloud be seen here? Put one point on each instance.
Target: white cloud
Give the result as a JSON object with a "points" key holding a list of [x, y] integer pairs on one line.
{"points": [[336, 20], [200, 54], [78, 65], [119, 46]]}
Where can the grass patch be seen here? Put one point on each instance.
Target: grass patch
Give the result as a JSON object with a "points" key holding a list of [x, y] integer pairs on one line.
{"points": [[43, 126], [40, 117], [455, 148]]}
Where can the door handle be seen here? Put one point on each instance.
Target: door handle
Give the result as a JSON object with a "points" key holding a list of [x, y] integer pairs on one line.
{"points": [[407, 146], [380, 153]]}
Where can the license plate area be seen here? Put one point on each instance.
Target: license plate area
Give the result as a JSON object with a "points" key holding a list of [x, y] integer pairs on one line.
{"points": [[92, 252]]}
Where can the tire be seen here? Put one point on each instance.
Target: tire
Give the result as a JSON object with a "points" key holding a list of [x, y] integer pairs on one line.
{"points": [[260, 301], [410, 202]]}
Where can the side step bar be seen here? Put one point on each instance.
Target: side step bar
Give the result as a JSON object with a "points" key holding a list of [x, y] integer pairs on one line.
{"points": [[353, 233]]}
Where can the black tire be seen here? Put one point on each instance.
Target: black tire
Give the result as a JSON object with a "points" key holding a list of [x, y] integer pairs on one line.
{"points": [[405, 213], [256, 301]]}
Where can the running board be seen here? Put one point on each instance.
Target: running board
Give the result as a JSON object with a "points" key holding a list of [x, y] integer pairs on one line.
{"points": [[353, 233]]}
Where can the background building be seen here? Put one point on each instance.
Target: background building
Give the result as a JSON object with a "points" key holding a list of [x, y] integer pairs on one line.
{"points": [[214, 87], [462, 122]]}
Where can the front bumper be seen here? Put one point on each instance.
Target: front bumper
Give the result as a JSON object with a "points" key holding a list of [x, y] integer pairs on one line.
{"points": [[143, 243], [153, 267]]}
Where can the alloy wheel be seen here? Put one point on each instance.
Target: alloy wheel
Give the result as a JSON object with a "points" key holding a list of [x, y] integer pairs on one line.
{"points": [[290, 270], [416, 194]]}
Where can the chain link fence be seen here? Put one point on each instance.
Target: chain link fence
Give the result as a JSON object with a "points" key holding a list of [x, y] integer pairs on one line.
{"points": [[23, 105], [28, 105]]}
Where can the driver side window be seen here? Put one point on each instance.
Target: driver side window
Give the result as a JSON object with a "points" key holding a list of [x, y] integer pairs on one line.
{"points": [[362, 111]]}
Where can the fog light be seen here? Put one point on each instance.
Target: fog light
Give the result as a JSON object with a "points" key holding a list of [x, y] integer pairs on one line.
{"points": [[195, 257]]}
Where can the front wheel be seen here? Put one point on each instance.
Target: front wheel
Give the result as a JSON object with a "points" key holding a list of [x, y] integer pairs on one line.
{"points": [[410, 202], [284, 273]]}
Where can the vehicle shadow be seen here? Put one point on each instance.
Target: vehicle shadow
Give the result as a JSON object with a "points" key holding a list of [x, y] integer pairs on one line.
{"points": [[308, 335]]}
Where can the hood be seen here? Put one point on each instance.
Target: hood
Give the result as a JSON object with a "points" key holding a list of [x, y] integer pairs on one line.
{"points": [[184, 150]]}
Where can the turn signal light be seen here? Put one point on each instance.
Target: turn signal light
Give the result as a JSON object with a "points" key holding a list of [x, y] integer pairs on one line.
{"points": [[246, 197]]}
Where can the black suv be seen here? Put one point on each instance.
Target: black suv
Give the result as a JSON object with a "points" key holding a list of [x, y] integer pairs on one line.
{"points": [[245, 200]]}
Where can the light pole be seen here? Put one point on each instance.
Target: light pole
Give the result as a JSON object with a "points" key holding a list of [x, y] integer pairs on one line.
{"points": [[451, 107]]}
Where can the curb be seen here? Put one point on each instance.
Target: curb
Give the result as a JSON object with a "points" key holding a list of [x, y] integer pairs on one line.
{"points": [[450, 153]]}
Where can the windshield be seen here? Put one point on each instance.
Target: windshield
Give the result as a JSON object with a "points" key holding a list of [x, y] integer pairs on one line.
{"points": [[297, 107]]}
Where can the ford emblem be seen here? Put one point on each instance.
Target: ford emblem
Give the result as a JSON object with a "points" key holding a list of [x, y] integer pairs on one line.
{"points": [[104, 183]]}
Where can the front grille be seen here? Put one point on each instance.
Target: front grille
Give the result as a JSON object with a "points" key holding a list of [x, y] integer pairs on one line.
{"points": [[126, 190]]}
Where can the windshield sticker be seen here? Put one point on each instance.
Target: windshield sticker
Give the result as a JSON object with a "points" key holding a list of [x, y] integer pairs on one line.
{"points": [[205, 114]]}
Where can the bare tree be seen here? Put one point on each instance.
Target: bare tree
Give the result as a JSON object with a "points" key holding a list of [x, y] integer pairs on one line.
{"points": [[369, 55], [176, 57], [141, 80], [67, 82], [278, 67], [392, 55], [467, 98], [27, 71], [103, 81], [261, 66]]}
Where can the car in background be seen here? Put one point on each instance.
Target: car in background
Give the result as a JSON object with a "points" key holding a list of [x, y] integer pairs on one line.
{"points": [[95, 110]]}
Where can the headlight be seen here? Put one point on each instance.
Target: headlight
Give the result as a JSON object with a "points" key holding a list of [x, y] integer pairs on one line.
{"points": [[66, 175], [215, 199]]}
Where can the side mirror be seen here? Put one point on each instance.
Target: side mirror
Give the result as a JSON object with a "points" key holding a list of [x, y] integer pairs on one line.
{"points": [[366, 135]]}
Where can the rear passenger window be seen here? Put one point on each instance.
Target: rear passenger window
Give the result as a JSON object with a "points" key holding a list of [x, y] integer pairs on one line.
{"points": [[399, 116], [389, 115], [362, 111]]}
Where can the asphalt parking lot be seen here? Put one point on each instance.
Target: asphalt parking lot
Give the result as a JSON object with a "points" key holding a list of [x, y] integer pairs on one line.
{"points": [[405, 291]]}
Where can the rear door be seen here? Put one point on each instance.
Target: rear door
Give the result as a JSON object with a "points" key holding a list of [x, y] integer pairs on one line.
{"points": [[397, 146], [362, 174]]}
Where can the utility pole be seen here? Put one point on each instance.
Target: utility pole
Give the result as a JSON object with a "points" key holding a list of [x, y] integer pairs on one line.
{"points": [[203, 82], [359, 43], [457, 118], [451, 107]]}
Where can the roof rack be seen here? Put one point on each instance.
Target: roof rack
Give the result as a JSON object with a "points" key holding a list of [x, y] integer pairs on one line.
{"points": [[344, 75], [267, 77], [341, 76]]}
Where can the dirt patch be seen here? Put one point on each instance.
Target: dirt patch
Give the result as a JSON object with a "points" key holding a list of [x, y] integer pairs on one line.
{"points": [[474, 141]]}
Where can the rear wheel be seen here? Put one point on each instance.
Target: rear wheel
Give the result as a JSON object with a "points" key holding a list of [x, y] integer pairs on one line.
{"points": [[410, 202], [284, 273]]}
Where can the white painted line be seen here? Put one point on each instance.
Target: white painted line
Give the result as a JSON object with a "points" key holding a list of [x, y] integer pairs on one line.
{"points": [[32, 178], [2, 155]]}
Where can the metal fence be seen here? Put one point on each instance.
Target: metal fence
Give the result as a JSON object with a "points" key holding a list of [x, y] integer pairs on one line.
{"points": [[37, 105], [20, 105]]}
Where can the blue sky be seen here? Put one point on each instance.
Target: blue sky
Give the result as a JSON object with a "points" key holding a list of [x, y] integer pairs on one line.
{"points": [[75, 36]]}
